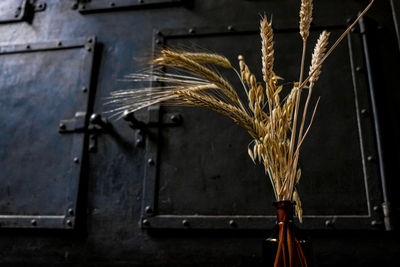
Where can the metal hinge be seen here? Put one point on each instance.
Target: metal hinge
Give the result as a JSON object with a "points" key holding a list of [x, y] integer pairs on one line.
{"points": [[73, 125], [142, 128]]}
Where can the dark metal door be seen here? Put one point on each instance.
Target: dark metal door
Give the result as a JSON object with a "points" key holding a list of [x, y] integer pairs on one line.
{"points": [[185, 193]]}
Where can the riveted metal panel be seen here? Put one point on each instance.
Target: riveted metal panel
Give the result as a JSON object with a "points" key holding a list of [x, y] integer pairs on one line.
{"points": [[340, 184], [43, 86], [12, 10]]}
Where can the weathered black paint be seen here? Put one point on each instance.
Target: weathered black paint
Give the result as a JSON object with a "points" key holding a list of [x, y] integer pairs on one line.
{"points": [[114, 186]]}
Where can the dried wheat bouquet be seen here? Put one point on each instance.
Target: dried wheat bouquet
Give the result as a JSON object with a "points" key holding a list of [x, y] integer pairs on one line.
{"points": [[271, 121]]}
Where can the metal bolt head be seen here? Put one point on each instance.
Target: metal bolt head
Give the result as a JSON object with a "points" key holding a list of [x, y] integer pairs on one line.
{"points": [[363, 111], [358, 69], [374, 223], [28, 47], [376, 208], [370, 158], [59, 43], [145, 222], [62, 126], [76, 160], [148, 209], [89, 49], [92, 148], [69, 223], [70, 212], [329, 223], [139, 142], [84, 89], [141, 1], [174, 118], [33, 222], [232, 223], [150, 161], [191, 30], [112, 4], [74, 5], [185, 223], [158, 41], [230, 28]]}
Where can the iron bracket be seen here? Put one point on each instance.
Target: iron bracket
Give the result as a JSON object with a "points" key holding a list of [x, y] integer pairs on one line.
{"points": [[76, 124], [87, 6], [142, 128]]}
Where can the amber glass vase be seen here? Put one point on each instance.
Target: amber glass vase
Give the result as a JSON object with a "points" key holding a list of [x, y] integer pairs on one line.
{"points": [[286, 246]]}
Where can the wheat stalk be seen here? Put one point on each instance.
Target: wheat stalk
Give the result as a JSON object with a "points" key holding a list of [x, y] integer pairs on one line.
{"points": [[271, 122]]}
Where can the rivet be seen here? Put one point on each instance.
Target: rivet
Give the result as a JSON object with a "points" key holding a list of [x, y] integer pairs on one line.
{"points": [[139, 142], [185, 223], [348, 20], [16, 15], [174, 118], [374, 223], [59, 43], [363, 111], [76, 160], [92, 148], [40, 6], [33, 222], [69, 223], [158, 33], [112, 4], [370, 158], [376, 208], [90, 40], [70, 212], [62, 126], [150, 161], [329, 223], [145, 222], [74, 5], [84, 89], [232, 223], [141, 1], [358, 68], [191, 30], [19, 8], [353, 30], [230, 28], [89, 49], [83, 7], [148, 209], [28, 47], [158, 41]]}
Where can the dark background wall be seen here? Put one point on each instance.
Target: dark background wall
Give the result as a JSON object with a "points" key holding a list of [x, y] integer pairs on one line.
{"points": [[184, 193]]}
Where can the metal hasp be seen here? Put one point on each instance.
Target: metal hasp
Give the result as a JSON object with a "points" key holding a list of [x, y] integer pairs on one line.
{"points": [[188, 168], [43, 119], [115, 5], [386, 203], [19, 10]]}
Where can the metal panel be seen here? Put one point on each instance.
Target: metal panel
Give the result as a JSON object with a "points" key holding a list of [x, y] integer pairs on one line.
{"points": [[115, 5], [186, 188], [19, 10], [12, 10], [44, 99]]}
